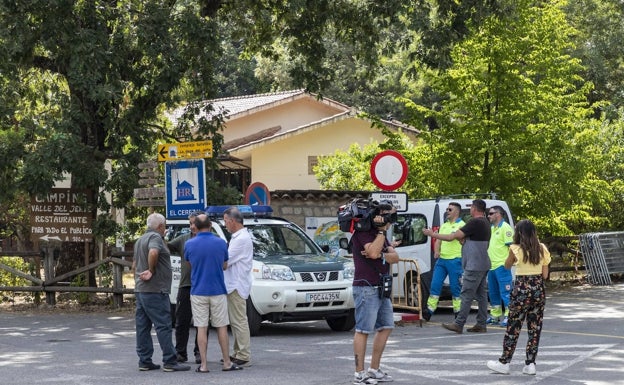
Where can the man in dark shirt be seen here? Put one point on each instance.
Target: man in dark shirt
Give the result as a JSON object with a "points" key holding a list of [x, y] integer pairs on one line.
{"points": [[372, 255], [476, 264]]}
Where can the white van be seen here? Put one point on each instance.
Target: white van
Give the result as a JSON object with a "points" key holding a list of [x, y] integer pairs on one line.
{"points": [[294, 279], [411, 243]]}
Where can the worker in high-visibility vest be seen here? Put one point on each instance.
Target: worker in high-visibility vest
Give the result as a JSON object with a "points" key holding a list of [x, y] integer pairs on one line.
{"points": [[448, 255], [499, 279]]}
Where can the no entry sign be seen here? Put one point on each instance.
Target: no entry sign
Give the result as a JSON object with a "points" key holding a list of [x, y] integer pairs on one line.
{"points": [[389, 170]]}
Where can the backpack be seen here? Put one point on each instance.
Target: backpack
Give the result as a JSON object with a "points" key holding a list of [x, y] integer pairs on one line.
{"points": [[355, 215]]}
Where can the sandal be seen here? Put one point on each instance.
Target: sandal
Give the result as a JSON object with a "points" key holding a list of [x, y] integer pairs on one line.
{"points": [[232, 368], [198, 370]]}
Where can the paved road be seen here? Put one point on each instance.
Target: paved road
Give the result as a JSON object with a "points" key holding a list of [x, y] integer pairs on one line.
{"points": [[582, 343]]}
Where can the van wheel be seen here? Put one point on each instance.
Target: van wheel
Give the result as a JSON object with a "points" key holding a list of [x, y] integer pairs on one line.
{"points": [[342, 324], [254, 319], [412, 291]]}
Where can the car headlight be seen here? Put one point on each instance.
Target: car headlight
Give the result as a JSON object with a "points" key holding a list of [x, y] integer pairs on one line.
{"points": [[277, 272], [349, 270]]}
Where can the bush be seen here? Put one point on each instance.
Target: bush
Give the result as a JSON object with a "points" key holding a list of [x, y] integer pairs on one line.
{"points": [[10, 279]]}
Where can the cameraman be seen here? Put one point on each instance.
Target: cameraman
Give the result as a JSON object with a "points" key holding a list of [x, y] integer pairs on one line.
{"points": [[372, 256]]}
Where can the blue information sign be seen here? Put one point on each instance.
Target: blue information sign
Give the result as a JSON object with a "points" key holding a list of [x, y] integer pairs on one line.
{"points": [[185, 186]]}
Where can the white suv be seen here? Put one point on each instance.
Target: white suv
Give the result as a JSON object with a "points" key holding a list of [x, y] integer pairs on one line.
{"points": [[293, 278]]}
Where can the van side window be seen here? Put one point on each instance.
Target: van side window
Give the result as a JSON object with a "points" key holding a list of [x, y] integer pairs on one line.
{"points": [[407, 230]]}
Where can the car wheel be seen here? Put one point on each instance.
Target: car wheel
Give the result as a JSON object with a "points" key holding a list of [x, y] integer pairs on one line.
{"points": [[254, 319], [342, 324]]}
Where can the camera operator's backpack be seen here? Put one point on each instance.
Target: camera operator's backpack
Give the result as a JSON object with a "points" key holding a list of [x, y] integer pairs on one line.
{"points": [[355, 215]]}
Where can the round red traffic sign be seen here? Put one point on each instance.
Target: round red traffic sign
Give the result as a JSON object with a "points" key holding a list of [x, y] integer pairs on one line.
{"points": [[389, 170]]}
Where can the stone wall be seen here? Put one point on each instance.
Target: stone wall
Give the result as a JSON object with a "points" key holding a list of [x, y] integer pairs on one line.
{"points": [[296, 205]]}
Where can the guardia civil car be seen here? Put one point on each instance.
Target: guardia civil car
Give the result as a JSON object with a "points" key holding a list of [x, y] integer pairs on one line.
{"points": [[294, 279]]}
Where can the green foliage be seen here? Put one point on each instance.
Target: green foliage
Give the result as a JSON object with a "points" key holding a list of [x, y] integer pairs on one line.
{"points": [[514, 98], [88, 81], [599, 46], [218, 195], [9, 279], [82, 297]]}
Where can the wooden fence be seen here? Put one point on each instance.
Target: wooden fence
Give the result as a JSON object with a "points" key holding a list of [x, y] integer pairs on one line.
{"points": [[52, 284]]}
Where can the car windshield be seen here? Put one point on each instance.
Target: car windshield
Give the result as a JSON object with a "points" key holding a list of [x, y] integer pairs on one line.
{"points": [[279, 239]]}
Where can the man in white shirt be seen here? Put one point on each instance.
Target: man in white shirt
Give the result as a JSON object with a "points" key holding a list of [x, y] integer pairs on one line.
{"points": [[238, 283]]}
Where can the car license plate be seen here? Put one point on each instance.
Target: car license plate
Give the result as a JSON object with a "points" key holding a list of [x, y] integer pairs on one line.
{"points": [[322, 297]]}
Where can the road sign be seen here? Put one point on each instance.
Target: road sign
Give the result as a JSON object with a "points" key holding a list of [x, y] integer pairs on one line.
{"points": [[63, 215], [185, 186], [185, 150], [389, 170], [257, 194], [399, 200]]}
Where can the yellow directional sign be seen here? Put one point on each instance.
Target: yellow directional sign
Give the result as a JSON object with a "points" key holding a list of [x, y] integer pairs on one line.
{"points": [[184, 150]]}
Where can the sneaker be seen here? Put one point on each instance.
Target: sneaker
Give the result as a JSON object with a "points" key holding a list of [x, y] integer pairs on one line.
{"points": [[176, 367], [529, 369], [504, 322], [498, 367], [150, 366], [426, 314], [491, 320], [362, 378], [378, 375]]}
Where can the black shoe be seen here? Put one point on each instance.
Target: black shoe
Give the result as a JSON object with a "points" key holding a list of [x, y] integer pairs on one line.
{"points": [[240, 362], [181, 358], [426, 314], [198, 359], [453, 327], [150, 366], [176, 368]]}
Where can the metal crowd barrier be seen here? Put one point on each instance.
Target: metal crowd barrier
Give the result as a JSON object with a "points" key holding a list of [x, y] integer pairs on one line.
{"points": [[603, 255], [406, 289]]}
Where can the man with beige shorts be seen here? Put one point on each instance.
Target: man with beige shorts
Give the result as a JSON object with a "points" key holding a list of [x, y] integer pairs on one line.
{"points": [[208, 256]]}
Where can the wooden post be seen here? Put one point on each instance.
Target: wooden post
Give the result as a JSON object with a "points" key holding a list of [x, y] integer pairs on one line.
{"points": [[48, 271], [117, 285]]}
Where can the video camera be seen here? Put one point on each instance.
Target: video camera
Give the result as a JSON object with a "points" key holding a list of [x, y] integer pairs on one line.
{"points": [[358, 214]]}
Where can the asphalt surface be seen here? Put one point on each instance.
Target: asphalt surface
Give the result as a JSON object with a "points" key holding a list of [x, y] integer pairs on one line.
{"points": [[582, 343]]}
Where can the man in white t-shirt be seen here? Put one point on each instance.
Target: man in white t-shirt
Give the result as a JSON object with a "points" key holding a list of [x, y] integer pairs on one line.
{"points": [[238, 282]]}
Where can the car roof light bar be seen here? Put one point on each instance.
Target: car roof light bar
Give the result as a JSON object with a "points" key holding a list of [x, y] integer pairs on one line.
{"points": [[246, 210]]}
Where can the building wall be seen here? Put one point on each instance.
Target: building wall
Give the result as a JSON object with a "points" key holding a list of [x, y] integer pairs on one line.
{"points": [[285, 165], [287, 116]]}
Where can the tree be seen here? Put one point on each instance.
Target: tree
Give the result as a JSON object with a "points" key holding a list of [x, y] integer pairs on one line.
{"points": [[599, 46], [513, 105], [87, 82]]}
